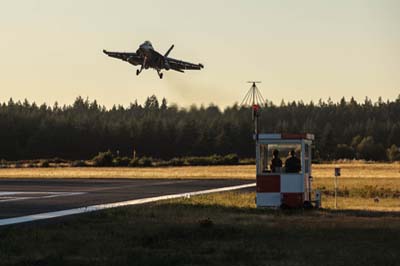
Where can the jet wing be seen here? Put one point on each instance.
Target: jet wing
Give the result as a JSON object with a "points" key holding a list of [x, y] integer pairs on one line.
{"points": [[179, 65], [132, 58]]}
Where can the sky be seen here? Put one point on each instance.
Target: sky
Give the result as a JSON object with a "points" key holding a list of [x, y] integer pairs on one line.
{"points": [[300, 50]]}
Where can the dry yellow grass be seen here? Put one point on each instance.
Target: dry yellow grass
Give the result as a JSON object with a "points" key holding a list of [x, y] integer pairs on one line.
{"points": [[345, 216], [353, 175], [206, 172], [367, 204], [246, 200], [359, 175], [235, 233], [215, 229], [382, 175]]}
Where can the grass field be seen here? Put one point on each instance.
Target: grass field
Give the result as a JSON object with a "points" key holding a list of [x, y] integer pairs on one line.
{"points": [[359, 181], [217, 229], [353, 175], [235, 171]]}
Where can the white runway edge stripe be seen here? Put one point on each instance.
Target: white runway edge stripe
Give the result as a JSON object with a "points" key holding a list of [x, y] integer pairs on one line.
{"points": [[49, 215]]}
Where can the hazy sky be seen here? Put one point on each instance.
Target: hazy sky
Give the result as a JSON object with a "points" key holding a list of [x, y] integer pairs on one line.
{"points": [[52, 50]]}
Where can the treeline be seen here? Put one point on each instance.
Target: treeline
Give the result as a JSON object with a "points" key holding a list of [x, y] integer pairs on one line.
{"points": [[109, 159], [346, 129]]}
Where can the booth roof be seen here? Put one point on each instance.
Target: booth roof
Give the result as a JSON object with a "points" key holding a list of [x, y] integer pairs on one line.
{"points": [[266, 136]]}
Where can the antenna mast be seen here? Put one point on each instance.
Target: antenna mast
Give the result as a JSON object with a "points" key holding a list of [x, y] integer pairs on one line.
{"points": [[255, 100]]}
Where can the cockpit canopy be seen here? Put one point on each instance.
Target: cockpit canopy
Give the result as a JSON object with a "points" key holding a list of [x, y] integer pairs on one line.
{"points": [[147, 45]]}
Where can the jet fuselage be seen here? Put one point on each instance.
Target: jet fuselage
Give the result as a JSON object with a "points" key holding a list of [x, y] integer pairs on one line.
{"points": [[147, 57]]}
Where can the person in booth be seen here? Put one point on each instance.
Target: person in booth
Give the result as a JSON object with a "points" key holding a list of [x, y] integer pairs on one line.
{"points": [[292, 163], [276, 162]]}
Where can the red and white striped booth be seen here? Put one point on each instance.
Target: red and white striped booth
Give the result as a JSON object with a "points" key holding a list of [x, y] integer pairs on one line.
{"points": [[279, 186]]}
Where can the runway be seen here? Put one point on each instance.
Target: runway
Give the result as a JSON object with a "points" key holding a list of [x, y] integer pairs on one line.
{"points": [[31, 197]]}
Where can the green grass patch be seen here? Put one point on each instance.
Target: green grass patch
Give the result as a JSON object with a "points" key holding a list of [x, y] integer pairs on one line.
{"points": [[217, 229]]}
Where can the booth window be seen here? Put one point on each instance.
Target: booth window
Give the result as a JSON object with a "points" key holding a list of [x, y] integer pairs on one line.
{"points": [[288, 165], [307, 158], [264, 158]]}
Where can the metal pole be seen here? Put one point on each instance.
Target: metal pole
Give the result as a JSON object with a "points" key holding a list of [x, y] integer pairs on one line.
{"points": [[337, 173], [256, 126], [254, 92], [254, 98], [335, 191]]}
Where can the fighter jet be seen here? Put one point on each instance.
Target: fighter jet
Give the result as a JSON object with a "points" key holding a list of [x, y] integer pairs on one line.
{"points": [[147, 58]]}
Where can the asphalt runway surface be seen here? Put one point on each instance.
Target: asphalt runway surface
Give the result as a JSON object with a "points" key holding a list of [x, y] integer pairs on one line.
{"points": [[21, 197]]}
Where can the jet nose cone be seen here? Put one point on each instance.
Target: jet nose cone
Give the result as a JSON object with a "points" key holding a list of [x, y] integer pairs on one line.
{"points": [[146, 46]]}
